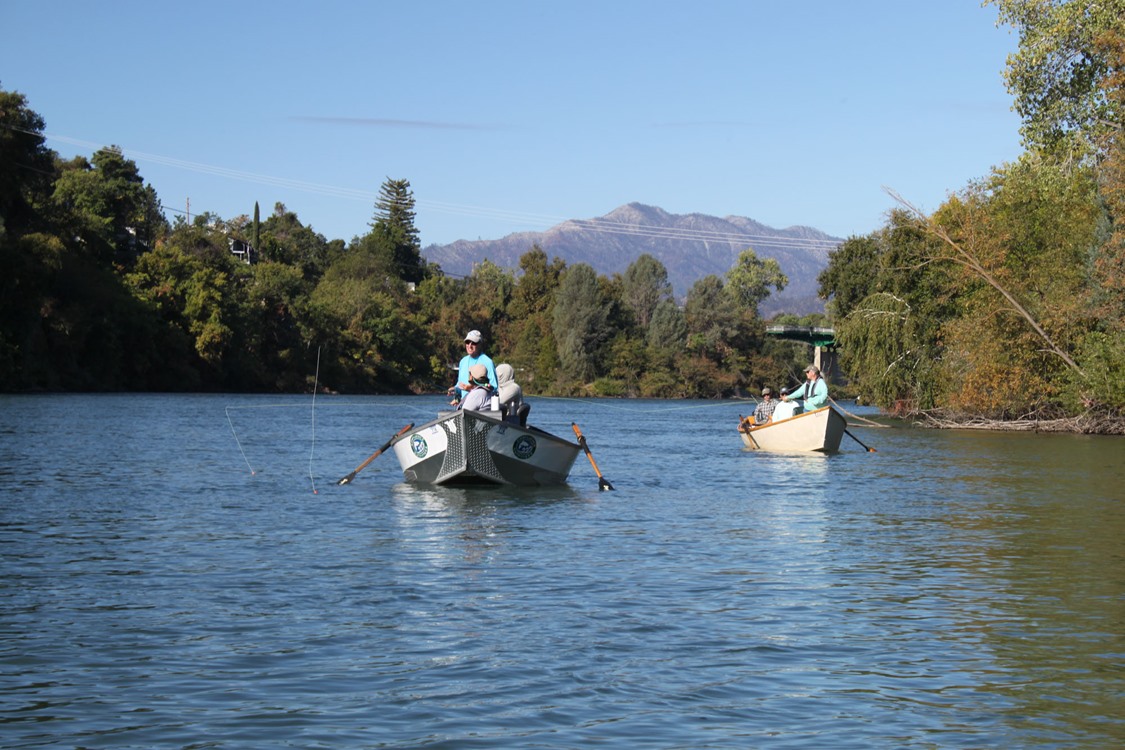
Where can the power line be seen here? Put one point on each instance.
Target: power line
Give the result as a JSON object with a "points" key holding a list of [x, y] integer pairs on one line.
{"points": [[597, 225]]}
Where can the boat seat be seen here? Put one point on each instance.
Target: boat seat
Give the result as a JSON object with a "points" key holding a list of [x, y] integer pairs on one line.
{"points": [[519, 416]]}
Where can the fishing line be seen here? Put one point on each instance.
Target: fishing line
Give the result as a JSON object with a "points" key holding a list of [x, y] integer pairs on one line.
{"points": [[646, 409], [397, 406], [239, 443], [312, 445]]}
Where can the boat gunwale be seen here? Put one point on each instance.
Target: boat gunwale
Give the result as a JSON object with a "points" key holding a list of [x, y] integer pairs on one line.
{"points": [[445, 415], [788, 420]]}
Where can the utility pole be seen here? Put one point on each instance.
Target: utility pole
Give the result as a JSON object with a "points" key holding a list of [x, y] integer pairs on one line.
{"points": [[188, 211]]}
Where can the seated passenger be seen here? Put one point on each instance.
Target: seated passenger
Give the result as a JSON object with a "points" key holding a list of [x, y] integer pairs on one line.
{"points": [[479, 392], [765, 407], [510, 393]]}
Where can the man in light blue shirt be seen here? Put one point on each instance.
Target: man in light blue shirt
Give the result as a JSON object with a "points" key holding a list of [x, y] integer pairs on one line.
{"points": [[474, 354], [813, 394]]}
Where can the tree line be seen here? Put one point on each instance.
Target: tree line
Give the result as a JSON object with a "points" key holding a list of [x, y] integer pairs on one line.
{"points": [[103, 293]]}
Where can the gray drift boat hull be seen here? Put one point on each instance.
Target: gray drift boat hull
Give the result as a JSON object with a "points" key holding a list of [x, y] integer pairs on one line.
{"points": [[472, 447]]}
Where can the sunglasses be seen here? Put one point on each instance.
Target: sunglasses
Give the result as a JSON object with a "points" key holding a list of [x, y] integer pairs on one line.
{"points": [[471, 343]]}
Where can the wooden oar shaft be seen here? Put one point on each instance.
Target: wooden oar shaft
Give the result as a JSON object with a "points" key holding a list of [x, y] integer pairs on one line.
{"points": [[603, 483], [745, 424], [374, 455], [853, 437]]}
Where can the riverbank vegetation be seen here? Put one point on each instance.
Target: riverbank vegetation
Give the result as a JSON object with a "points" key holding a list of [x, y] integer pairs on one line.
{"points": [[101, 293], [1006, 305]]}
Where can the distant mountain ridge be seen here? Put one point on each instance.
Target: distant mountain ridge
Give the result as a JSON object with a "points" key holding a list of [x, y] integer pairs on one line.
{"points": [[690, 246]]}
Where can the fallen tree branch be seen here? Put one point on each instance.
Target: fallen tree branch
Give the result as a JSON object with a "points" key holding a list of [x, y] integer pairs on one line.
{"points": [[968, 260], [1087, 423]]}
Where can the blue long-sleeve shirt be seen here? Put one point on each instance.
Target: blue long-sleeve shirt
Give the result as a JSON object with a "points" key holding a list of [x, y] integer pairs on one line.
{"points": [[812, 395], [463, 372]]}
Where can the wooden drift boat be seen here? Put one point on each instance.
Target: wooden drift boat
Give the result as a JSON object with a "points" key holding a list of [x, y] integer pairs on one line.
{"points": [[474, 447], [818, 431]]}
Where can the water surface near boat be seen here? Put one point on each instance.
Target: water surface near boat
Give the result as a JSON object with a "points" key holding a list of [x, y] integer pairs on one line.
{"points": [[183, 571]]}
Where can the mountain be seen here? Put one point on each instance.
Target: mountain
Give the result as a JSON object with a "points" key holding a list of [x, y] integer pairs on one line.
{"points": [[690, 246]]}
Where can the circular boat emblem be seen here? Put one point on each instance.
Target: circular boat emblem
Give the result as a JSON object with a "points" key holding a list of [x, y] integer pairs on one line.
{"points": [[524, 447], [418, 445]]}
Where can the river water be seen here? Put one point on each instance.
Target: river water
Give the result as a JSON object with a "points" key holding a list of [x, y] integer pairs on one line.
{"points": [[184, 572]]}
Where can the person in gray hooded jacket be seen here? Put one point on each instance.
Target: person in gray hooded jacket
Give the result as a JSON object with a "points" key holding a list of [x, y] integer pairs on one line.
{"points": [[509, 391]]}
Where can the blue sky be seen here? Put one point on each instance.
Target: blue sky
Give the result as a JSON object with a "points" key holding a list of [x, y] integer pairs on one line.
{"points": [[512, 117]]}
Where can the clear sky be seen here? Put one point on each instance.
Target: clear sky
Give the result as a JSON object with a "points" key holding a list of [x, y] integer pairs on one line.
{"points": [[510, 116]]}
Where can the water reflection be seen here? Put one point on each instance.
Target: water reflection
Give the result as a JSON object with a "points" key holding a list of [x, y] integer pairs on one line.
{"points": [[469, 524]]}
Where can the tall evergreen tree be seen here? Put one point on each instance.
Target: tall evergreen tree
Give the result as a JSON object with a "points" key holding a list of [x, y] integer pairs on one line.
{"points": [[256, 233], [394, 222]]}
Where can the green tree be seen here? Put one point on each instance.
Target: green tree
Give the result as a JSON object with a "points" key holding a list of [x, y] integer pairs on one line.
{"points": [[256, 231], [394, 225], [1102, 350], [852, 274], [370, 325], [1020, 242], [889, 338], [580, 325], [1057, 74], [284, 239], [717, 348], [751, 277], [664, 343], [277, 328], [644, 286], [26, 166], [530, 339], [189, 281], [106, 203]]}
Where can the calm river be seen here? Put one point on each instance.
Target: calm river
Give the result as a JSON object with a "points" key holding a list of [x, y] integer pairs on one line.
{"points": [[184, 572]]}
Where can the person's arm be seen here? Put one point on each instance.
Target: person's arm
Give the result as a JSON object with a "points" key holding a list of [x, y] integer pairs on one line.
{"points": [[490, 366], [462, 379]]}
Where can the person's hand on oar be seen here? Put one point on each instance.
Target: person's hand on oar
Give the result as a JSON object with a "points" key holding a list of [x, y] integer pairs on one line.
{"points": [[603, 483], [374, 455]]}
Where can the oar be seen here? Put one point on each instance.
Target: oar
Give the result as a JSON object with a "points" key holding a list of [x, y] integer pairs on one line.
{"points": [[374, 455], [853, 437], [746, 430], [603, 483]]}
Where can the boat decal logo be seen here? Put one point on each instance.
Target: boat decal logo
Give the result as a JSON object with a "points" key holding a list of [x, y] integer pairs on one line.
{"points": [[524, 447], [419, 446]]}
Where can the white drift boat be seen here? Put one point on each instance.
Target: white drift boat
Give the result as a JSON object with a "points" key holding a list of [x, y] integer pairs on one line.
{"points": [[473, 447], [817, 431]]}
